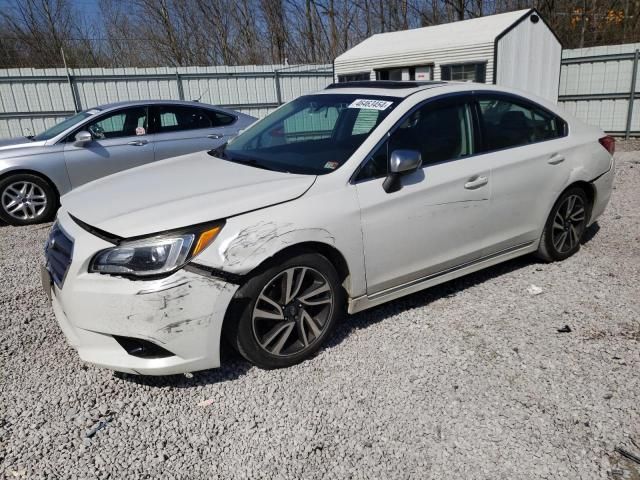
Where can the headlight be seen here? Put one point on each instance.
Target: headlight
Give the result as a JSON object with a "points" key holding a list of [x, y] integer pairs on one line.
{"points": [[154, 255]]}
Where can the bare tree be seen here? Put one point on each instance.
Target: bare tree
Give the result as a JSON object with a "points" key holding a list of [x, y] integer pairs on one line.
{"points": [[236, 32]]}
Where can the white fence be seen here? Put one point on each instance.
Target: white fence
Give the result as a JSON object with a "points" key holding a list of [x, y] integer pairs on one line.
{"points": [[32, 100], [599, 85]]}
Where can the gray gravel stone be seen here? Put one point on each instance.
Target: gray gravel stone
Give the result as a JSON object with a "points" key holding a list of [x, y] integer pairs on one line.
{"points": [[470, 379]]}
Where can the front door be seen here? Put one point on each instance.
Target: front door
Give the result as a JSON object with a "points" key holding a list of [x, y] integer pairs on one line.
{"points": [[120, 141], [438, 219]]}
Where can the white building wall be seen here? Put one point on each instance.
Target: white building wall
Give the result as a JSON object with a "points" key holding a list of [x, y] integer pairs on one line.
{"points": [[471, 53], [49, 99], [601, 78], [529, 59]]}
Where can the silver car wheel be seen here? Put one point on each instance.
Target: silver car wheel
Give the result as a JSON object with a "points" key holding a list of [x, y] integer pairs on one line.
{"points": [[568, 224], [292, 311], [24, 200]]}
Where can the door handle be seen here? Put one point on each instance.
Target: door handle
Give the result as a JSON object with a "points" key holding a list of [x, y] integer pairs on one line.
{"points": [[555, 159], [215, 136], [476, 182], [137, 143]]}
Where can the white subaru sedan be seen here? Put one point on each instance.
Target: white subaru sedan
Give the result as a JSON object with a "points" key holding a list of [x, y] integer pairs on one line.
{"points": [[336, 202]]}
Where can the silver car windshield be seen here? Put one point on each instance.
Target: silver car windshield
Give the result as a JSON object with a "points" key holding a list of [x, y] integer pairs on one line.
{"points": [[64, 125], [314, 134]]}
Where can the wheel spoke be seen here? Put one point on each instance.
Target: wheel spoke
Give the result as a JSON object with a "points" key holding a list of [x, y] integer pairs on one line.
{"points": [[574, 236], [291, 283], [11, 204], [277, 348], [32, 211], [258, 313], [281, 330], [309, 320], [559, 242], [16, 208], [570, 203], [306, 298], [303, 334], [14, 192], [577, 215], [558, 222]]}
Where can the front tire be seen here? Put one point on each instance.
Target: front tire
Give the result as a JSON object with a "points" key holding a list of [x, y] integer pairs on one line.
{"points": [[283, 314], [565, 226], [27, 199]]}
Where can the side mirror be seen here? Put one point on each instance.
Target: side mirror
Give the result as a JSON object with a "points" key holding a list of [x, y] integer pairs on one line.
{"points": [[82, 138], [402, 162]]}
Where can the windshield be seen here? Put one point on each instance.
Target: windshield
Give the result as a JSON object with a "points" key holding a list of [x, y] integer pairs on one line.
{"points": [[314, 134], [65, 124]]}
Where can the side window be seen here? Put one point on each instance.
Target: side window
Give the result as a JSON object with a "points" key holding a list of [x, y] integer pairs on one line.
{"points": [[123, 123], [512, 123], [219, 119], [175, 118], [439, 132]]}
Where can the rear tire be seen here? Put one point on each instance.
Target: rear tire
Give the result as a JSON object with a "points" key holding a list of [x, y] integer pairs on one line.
{"points": [[565, 226], [27, 199], [282, 315]]}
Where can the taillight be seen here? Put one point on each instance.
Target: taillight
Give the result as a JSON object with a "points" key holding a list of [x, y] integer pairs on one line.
{"points": [[609, 144]]}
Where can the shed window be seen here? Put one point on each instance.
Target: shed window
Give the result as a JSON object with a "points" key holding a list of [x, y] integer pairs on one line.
{"points": [[353, 77], [464, 72], [417, 72]]}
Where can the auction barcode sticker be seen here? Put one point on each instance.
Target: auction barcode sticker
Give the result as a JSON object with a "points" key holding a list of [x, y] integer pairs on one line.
{"points": [[370, 104]]}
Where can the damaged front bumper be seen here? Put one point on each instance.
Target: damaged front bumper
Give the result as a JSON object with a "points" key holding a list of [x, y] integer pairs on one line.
{"points": [[153, 327]]}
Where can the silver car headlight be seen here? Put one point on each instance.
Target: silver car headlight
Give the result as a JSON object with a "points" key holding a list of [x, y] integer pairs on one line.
{"points": [[154, 255]]}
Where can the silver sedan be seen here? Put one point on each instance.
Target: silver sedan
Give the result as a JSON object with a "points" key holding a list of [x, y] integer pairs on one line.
{"points": [[36, 171]]}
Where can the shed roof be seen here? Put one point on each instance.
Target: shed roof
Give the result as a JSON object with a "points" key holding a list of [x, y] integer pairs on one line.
{"points": [[448, 35]]}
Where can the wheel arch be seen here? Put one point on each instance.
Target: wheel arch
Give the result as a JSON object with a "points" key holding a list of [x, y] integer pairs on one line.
{"points": [[26, 171], [330, 252], [588, 189]]}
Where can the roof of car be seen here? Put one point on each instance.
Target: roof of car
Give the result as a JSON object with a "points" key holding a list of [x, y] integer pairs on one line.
{"points": [[133, 103], [393, 88]]}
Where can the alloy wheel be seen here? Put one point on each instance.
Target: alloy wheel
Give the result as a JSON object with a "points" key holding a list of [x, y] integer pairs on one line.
{"points": [[24, 200], [568, 224], [292, 311]]}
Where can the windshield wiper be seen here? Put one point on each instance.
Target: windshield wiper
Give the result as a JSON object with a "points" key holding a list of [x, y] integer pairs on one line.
{"points": [[251, 161], [29, 137]]}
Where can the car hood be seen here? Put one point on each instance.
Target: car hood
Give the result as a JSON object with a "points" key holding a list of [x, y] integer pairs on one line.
{"points": [[179, 192], [18, 142]]}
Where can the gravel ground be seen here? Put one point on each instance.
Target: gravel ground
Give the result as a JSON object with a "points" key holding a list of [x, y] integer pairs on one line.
{"points": [[629, 145], [467, 380]]}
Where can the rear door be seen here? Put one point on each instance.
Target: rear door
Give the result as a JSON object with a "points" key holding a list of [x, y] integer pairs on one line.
{"points": [[525, 146], [438, 219], [121, 140], [183, 129]]}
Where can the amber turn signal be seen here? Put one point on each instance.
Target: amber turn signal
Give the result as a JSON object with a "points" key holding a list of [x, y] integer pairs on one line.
{"points": [[205, 239]]}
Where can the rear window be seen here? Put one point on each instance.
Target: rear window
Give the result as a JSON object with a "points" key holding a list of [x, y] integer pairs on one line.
{"points": [[510, 122]]}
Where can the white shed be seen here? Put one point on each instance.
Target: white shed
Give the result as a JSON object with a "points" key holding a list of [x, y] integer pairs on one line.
{"points": [[515, 49]]}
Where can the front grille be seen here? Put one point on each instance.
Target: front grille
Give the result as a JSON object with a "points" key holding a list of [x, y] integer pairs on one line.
{"points": [[58, 252]]}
